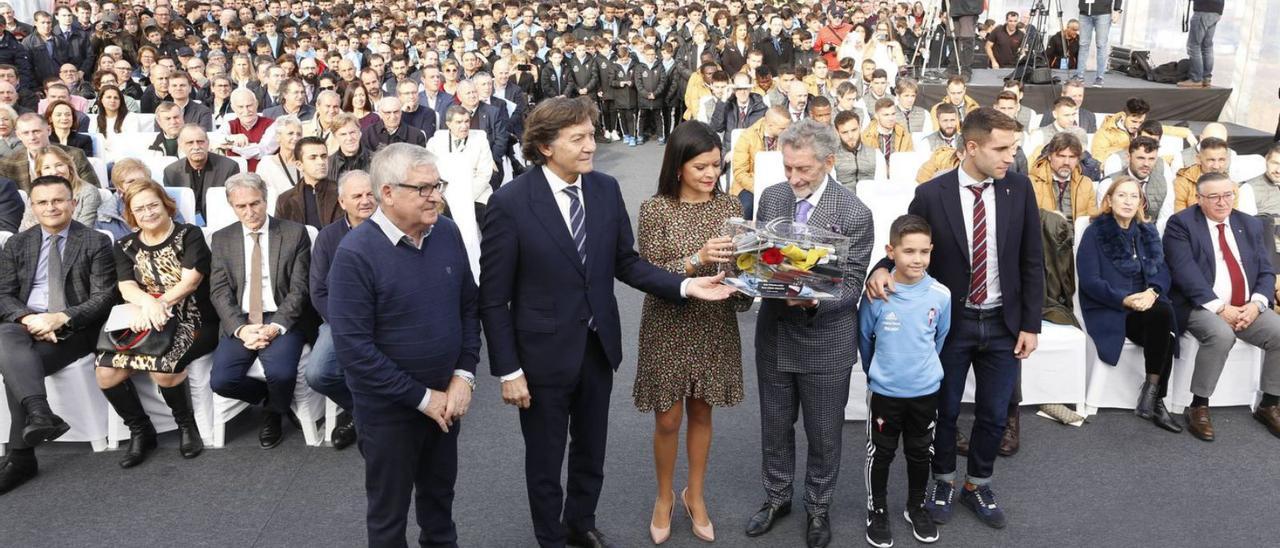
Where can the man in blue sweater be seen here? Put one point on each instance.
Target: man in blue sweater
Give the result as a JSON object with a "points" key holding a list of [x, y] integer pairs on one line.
{"points": [[355, 197], [403, 314], [899, 340]]}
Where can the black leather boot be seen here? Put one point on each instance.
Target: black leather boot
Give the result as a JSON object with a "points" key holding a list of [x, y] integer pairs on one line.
{"points": [[179, 400], [1146, 400], [142, 435], [42, 425], [1161, 417]]}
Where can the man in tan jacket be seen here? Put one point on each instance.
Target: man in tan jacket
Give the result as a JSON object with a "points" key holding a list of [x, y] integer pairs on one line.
{"points": [[1213, 157], [1058, 183], [762, 136]]}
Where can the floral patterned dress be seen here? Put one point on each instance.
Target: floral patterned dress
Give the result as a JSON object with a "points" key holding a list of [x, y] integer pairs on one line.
{"points": [[690, 349]]}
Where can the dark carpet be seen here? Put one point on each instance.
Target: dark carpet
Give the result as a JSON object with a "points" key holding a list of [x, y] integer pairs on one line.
{"points": [[1117, 481]]}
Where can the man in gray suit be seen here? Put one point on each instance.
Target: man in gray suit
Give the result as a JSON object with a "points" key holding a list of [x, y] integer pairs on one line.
{"points": [[258, 284], [57, 285], [199, 169], [805, 350]]}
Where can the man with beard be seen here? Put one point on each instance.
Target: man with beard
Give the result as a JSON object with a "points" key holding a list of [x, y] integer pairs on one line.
{"points": [[1145, 167], [948, 127]]}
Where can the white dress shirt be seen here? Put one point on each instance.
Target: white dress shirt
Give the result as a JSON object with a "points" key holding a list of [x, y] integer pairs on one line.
{"points": [[1222, 276], [966, 209], [396, 237], [268, 296]]}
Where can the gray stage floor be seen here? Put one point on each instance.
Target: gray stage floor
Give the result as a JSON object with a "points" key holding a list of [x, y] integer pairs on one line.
{"points": [[1117, 481]]}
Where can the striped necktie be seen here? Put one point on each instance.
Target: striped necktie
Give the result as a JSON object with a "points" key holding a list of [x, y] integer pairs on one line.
{"points": [[578, 229], [978, 276]]}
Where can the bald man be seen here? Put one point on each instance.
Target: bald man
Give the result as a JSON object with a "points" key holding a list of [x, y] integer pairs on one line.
{"points": [[761, 136], [1215, 130], [389, 127]]}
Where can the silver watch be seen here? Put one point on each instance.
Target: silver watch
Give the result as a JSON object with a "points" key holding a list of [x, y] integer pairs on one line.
{"points": [[695, 260]]}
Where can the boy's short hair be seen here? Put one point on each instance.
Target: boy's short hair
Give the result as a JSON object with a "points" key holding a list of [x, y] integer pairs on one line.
{"points": [[906, 225]]}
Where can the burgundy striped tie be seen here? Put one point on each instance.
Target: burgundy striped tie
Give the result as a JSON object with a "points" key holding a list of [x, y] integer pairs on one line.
{"points": [[978, 277]]}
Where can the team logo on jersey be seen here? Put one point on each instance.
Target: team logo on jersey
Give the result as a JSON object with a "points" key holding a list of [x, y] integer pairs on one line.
{"points": [[933, 315]]}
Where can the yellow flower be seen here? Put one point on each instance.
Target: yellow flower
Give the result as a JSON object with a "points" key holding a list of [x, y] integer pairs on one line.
{"points": [[801, 258], [746, 262]]}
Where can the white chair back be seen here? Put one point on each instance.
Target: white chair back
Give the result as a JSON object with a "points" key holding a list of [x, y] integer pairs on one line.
{"points": [[733, 137], [130, 145], [887, 201], [1112, 164], [312, 232], [903, 166], [217, 212], [98, 144], [769, 172], [4, 237], [186, 200], [243, 163], [1247, 166], [156, 165], [1034, 122], [100, 169]]}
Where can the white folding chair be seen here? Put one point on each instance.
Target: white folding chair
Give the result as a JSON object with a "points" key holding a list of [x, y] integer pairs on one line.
{"points": [[1055, 373], [73, 395], [217, 211], [130, 145], [156, 165], [769, 172], [244, 164], [1112, 164], [904, 165], [145, 122], [1238, 385], [1099, 117], [307, 405], [100, 169], [161, 416], [1248, 202], [1034, 122], [1246, 166], [4, 237], [97, 144], [185, 198], [887, 201], [920, 141]]}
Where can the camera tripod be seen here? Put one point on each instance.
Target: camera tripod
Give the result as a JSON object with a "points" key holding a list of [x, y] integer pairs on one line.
{"points": [[939, 31], [1031, 55]]}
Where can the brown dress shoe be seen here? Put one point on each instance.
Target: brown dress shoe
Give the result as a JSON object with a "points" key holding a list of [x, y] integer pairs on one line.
{"points": [[962, 445], [1190, 84], [1009, 443], [1270, 416], [1198, 422]]}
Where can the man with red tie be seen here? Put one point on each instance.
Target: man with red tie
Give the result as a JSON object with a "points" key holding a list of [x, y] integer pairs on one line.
{"points": [[993, 264], [1222, 291]]}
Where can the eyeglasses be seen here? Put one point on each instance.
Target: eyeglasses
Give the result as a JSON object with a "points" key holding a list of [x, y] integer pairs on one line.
{"points": [[328, 87], [426, 190], [1219, 198], [145, 208]]}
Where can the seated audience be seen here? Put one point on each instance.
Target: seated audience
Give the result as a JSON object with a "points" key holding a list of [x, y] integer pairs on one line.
{"points": [[948, 128], [1223, 290], [323, 374], [20, 165], [1145, 168], [314, 200], [1124, 293], [1066, 118], [1266, 187], [350, 154], [259, 287], [54, 161], [1213, 156], [1058, 182], [162, 269], [56, 289], [279, 170], [457, 144], [169, 123], [854, 161], [910, 115], [390, 127], [884, 134], [760, 137], [249, 135], [61, 118], [199, 169], [957, 96]]}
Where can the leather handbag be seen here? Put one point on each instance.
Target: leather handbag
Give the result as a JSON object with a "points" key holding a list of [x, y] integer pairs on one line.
{"points": [[148, 342]]}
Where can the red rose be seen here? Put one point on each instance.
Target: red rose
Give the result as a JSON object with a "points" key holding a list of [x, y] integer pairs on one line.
{"points": [[771, 256]]}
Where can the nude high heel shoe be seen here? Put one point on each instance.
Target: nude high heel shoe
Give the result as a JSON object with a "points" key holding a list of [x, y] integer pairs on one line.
{"points": [[661, 534], [705, 532]]}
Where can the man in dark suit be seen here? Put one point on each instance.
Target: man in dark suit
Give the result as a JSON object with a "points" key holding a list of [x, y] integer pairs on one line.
{"points": [[199, 169], [487, 118], [258, 284], [994, 224], [431, 95], [415, 114], [1223, 288], [777, 48], [33, 131], [57, 285], [739, 112], [548, 265], [389, 129], [43, 50], [798, 341]]}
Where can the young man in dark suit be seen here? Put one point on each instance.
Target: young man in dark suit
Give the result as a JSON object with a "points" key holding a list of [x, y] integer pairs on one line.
{"points": [[554, 240], [57, 285], [994, 266]]}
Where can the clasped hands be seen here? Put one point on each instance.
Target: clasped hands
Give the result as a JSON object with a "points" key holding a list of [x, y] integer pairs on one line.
{"points": [[1240, 317], [1141, 302], [450, 405], [257, 336], [44, 327]]}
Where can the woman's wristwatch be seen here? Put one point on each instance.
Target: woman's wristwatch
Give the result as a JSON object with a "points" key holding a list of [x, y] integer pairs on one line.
{"points": [[695, 260]]}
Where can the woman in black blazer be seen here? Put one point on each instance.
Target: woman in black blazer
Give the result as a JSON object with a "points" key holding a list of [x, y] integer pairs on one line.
{"points": [[61, 117]]}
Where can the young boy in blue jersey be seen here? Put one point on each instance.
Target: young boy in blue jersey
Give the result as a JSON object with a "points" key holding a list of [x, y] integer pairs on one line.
{"points": [[899, 341]]}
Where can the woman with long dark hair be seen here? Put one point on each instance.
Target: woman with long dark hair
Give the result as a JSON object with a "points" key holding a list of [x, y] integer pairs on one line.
{"points": [[681, 229]]}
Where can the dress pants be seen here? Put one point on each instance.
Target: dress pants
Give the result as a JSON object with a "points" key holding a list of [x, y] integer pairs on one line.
{"points": [[822, 397], [1216, 339], [982, 340], [580, 412], [323, 373], [403, 460], [231, 363], [25, 362]]}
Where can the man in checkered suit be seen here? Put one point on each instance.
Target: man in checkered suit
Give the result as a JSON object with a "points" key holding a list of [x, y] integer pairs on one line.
{"points": [[805, 350]]}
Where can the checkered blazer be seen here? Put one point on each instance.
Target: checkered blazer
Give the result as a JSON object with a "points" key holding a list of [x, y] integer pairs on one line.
{"points": [[826, 340]]}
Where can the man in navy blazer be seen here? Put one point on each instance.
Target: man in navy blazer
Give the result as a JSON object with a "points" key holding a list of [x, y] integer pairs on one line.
{"points": [[994, 267], [1223, 288], [555, 239]]}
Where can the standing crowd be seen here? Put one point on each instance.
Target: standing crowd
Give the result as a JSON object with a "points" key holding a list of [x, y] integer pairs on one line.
{"points": [[202, 187]]}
